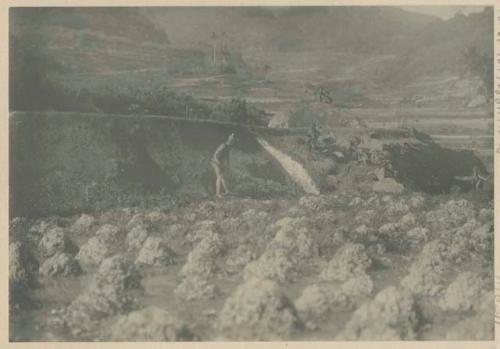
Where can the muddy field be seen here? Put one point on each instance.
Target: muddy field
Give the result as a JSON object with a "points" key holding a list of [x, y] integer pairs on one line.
{"points": [[340, 266]]}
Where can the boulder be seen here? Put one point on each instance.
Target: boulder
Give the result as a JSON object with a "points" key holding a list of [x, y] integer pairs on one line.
{"points": [[422, 164]]}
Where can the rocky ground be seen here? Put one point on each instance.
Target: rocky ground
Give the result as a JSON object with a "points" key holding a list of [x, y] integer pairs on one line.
{"points": [[342, 266]]}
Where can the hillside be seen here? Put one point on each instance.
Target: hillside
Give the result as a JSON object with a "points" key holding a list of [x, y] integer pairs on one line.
{"points": [[367, 41], [85, 40], [422, 44], [358, 29]]}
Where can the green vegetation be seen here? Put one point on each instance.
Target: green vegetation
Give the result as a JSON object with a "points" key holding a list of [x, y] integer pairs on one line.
{"points": [[35, 85]]}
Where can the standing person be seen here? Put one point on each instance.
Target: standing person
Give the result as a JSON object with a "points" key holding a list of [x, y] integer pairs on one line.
{"points": [[313, 136], [220, 161]]}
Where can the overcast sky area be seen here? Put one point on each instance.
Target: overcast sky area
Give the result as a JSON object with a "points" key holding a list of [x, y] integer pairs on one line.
{"points": [[444, 12]]}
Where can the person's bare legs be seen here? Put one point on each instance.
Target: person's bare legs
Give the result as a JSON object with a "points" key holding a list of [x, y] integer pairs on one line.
{"points": [[224, 186], [218, 187], [219, 181]]}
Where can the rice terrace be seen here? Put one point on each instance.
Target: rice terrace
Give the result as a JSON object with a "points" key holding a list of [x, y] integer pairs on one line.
{"points": [[251, 173]]}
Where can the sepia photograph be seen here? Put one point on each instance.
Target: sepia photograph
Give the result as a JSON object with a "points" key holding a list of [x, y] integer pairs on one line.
{"points": [[251, 173]]}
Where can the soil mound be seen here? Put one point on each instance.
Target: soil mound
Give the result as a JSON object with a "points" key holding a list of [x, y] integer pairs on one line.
{"points": [[52, 242], [195, 287], [155, 252], [105, 295], [135, 238], [350, 261], [287, 253], [60, 265], [257, 310], [151, 324], [463, 293], [83, 224], [391, 315]]}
